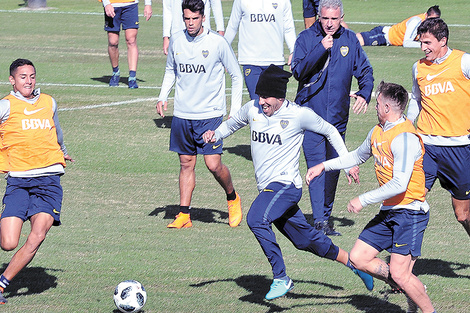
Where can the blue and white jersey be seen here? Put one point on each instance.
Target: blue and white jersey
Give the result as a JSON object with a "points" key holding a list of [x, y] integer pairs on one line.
{"points": [[276, 140], [196, 65], [263, 27]]}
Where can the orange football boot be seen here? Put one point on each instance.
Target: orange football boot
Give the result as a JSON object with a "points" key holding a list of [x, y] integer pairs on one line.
{"points": [[234, 211], [182, 220]]}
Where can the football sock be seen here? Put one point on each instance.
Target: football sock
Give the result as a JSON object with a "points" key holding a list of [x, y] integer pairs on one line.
{"points": [[350, 265], [132, 74], [116, 69], [185, 209], [231, 196], [3, 283]]}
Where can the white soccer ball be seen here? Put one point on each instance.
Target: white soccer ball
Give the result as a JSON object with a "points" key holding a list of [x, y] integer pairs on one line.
{"points": [[130, 296]]}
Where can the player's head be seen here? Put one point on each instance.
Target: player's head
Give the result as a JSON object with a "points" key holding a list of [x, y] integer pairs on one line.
{"points": [[23, 77], [391, 101], [330, 15], [433, 11], [271, 88], [193, 16], [433, 34]]}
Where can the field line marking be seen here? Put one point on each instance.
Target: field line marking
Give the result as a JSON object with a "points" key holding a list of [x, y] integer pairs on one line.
{"points": [[110, 104]]}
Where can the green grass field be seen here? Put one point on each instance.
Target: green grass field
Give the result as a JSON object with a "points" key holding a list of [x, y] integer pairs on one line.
{"points": [[122, 190]]}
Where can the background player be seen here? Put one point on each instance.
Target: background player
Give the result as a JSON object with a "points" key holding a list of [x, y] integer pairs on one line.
{"points": [[404, 214], [441, 97], [263, 29], [196, 62], [125, 13], [33, 157], [401, 34], [277, 126]]}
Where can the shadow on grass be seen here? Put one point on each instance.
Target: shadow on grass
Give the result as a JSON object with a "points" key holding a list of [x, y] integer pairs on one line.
{"points": [[240, 150], [164, 122], [31, 280], [258, 286], [439, 268], [105, 79], [204, 215]]}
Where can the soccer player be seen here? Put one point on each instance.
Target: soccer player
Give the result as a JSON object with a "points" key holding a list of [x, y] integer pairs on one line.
{"points": [[404, 214], [263, 28], [277, 126], [125, 13], [326, 58], [32, 154], [197, 59], [173, 23], [441, 98], [401, 34]]}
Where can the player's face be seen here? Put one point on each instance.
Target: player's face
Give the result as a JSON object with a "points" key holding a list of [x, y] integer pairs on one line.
{"points": [[330, 20], [270, 105], [380, 107], [193, 22], [24, 80], [433, 48]]}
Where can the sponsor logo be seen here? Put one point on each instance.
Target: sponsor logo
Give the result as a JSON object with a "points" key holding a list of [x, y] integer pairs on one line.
{"points": [[26, 112], [256, 18], [205, 53], [438, 88], [344, 50], [192, 68], [268, 190], [216, 146], [55, 211], [467, 192], [247, 71], [430, 77], [266, 138], [35, 123], [284, 123], [402, 245]]}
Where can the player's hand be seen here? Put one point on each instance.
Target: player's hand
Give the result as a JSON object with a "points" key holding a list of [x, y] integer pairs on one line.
{"points": [[353, 174], [360, 105], [109, 10], [147, 12], [166, 44], [161, 106], [314, 172], [354, 206], [209, 136], [221, 33], [68, 158], [327, 42]]}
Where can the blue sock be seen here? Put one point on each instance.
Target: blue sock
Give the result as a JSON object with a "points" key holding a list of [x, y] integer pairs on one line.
{"points": [[116, 69], [4, 282], [350, 265], [132, 74]]}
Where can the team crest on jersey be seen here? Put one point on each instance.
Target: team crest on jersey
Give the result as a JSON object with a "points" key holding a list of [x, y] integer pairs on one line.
{"points": [[344, 50], [284, 123], [205, 53], [247, 71], [275, 5]]}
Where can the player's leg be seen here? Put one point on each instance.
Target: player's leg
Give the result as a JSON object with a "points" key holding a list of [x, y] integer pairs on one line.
{"points": [[401, 267], [462, 212], [113, 52], [269, 206], [10, 231], [213, 158], [130, 25]]}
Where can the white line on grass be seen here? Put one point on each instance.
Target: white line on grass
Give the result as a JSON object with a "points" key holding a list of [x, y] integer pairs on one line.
{"points": [[48, 11], [111, 104]]}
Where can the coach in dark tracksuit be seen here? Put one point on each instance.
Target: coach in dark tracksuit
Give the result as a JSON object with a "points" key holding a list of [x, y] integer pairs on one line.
{"points": [[326, 57]]}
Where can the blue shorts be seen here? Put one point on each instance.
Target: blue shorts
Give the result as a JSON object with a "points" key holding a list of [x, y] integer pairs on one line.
{"points": [[186, 136], [310, 8], [25, 197], [374, 37], [398, 231], [127, 16], [251, 74], [451, 166]]}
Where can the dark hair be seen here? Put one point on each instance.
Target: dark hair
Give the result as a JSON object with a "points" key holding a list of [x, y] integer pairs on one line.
{"points": [[19, 62], [394, 93], [193, 6], [436, 27], [434, 10]]}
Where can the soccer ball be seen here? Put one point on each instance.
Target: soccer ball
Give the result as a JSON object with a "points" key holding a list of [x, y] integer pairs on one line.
{"points": [[130, 296]]}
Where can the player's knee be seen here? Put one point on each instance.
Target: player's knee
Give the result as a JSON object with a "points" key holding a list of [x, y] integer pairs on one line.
{"points": [[8, 244], [399, 276], [355, 259]]}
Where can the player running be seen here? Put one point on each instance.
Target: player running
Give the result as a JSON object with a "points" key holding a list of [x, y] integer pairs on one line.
{"points": [[277, 127]]}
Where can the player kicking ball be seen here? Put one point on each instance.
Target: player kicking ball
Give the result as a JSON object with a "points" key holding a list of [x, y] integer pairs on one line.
{"points": [[277, 126]]}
